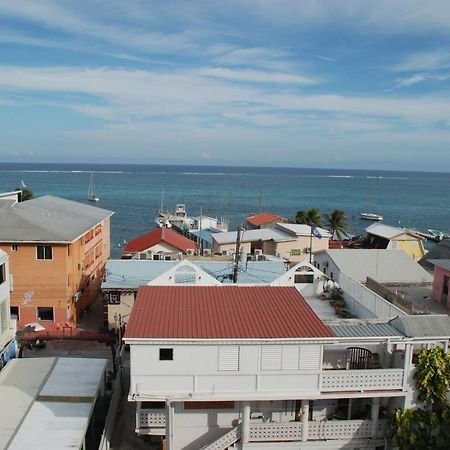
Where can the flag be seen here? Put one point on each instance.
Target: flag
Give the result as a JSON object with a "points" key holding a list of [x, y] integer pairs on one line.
{"points": [[315, 232]]}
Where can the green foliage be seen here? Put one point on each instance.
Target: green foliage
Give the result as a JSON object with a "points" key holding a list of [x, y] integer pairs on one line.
{"points": [[433, 376], [426, 428], [26, 194], [337, 223], [310, 217]]}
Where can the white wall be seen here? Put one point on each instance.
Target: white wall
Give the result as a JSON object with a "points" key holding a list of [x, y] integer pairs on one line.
{"points": [[194, 371], [5, 324]]}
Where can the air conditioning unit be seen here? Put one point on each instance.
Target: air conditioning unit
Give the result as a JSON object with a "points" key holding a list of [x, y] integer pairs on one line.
{"points": [[80, 265], [260, 257], [207, 252], [258, 251], [224, 252], [190, 252]]}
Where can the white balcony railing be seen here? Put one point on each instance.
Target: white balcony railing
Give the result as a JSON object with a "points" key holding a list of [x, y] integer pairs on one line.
{"points": [[151, 418], [289, 431], [224, 441], [362, 380], [342, 429]]}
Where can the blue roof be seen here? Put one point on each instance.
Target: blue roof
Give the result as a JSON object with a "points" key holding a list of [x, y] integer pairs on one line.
{"points": [[132, 273], [204, 235]]}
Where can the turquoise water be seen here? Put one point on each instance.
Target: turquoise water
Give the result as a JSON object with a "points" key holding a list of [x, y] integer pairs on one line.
{"points": [[409, 199]]}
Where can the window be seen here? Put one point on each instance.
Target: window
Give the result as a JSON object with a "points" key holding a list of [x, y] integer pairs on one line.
{"points": [[229, 358], [45, 313], [185, 275], [2, 273], [14, 247], [14, 311], [166, 354], [44, 252], [114, 298]]}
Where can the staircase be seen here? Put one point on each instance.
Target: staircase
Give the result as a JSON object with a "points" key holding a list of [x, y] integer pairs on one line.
{"points": [[224, 441]]}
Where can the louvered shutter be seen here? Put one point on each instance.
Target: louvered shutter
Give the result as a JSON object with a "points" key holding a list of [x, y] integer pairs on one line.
{"points": [[271, 357], [309, 357], [229, 358]]}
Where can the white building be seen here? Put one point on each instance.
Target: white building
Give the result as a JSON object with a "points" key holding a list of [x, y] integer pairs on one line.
{"points": [[7, 326], [217, 367]]}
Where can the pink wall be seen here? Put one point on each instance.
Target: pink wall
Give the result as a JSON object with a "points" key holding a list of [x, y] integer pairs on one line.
{"points": [[438, 283]]}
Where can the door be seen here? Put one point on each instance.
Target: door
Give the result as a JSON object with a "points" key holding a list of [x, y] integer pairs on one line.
{"points": [[444, 296]]}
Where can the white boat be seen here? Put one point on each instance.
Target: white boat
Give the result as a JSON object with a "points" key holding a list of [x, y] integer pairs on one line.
{"points": [[92, 196], [371, 216], [437, 235]]}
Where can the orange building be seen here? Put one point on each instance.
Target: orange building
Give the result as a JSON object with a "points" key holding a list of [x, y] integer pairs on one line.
{"points": [[57, 253]]}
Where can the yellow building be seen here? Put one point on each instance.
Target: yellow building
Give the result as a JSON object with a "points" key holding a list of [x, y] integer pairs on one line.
{"points": [[392, 238]]}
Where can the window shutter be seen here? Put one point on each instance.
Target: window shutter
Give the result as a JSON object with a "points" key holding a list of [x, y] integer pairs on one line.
{"points": [[229, 358], [290, 357], [271, 357], [309, 357]]}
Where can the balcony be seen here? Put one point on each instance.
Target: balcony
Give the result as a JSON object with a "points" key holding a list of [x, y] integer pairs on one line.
{"points": [[150, 421]]}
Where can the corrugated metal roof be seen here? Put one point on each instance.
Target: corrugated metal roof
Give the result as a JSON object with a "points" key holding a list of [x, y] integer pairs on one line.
{"points": [[157, 236], [423, 325], [48, 219], [389, 232], [222, 312], [442, 263], [263, 219], [300, 229], [381, 265], [263, 234], [251, 272], [364, 330], [132, 273]]}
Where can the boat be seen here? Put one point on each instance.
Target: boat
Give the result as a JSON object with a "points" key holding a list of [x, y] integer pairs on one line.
{"points": [[371, 216], [438, 235], [92, 196]]}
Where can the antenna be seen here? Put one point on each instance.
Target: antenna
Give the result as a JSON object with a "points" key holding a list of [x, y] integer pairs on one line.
{"points": [[200, 241]]}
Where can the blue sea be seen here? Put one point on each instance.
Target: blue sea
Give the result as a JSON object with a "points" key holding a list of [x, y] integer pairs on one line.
{"points": [[418, 200]]}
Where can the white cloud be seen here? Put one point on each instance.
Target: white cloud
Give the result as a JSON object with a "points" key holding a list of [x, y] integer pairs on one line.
{"points": [[405, 82], [424, 61]]}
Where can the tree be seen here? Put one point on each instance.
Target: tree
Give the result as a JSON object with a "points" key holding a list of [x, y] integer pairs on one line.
{"points": [[310, 217], [426, 428], [337, 223], [26, 194]]}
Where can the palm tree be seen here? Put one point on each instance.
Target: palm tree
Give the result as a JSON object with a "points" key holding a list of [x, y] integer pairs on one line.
{"points": [[310, 217], [337, 224], [26, 194]]}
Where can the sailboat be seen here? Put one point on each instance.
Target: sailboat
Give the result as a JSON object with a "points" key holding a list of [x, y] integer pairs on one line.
{"points": [[371, 215], [92, 196]]}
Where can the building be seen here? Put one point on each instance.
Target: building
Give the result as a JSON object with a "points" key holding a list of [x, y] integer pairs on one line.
{"points": [[160, 244], [380, 236], [263, 220], [7, 326], [255, 367], [385, 266], [288, 241], [441, 250], [441, 281], [57, 251], [123, 278], [53, 403]]}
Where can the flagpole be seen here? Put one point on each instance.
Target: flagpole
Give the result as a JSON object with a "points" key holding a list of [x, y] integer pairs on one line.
{"points": [[310, 245]]}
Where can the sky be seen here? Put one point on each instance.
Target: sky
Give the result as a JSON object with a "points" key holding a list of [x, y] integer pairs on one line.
{"points": [[296, 83]]}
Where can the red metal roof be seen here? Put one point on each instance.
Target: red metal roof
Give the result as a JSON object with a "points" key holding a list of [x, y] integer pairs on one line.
{"points": [[223, 312], [263, 219], [157, 236]]}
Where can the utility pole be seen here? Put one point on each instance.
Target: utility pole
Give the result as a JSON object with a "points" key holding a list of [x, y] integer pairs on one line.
{"points": [[200, 240], [236, 255]]}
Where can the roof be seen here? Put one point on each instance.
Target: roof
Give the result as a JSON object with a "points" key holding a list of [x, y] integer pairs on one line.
{"points": [[48, 219], [441, 250], [132, 273], [389, 232], [157, 236], [385, 266], [222, 312], [263, 234], [354, 328], [300, 229], [49, 401], [263, 218], [442, 263], [423, 325]]}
